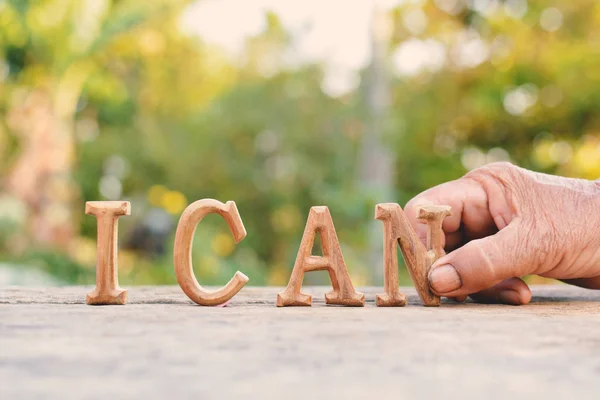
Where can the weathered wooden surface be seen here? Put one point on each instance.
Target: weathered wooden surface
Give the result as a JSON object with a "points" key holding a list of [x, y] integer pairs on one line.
{"points": [[160, 345]]}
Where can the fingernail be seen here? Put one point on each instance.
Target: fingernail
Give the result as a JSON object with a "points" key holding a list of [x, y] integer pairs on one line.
{"points": [[444, 279], [509, 296]]}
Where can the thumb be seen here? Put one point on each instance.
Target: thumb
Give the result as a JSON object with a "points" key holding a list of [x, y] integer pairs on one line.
{"points": [[482, 263]]}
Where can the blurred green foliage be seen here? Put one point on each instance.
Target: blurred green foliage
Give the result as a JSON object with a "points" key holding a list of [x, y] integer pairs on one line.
{"points": [[163, 118]]}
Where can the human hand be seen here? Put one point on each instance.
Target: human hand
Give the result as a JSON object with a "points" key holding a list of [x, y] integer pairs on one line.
{"points": [[508, 222]]}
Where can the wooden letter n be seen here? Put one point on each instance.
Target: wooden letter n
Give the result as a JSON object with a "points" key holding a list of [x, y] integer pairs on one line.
{"points": [[398, 231]]}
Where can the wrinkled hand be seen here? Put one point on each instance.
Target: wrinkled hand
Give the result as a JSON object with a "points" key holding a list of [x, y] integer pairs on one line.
{"points": [[508, 222]]}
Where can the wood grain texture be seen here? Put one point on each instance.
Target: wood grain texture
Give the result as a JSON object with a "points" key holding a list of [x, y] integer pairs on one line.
{"points": [[320, 221], [107, 213], [391, 296], [397, 230], [433, 216], [182, 251]]}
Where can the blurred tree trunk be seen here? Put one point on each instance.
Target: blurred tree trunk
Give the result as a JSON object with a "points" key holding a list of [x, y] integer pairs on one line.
{"points": [[42, 174], [376, 171], [43, 120]]}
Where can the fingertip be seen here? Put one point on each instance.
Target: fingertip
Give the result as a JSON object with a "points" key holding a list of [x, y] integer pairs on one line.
{"points": [[410, 209], [509, 297], [511, 291], [444, 280], [459, 299], [421, 230], [524, 292], [517, 285]]}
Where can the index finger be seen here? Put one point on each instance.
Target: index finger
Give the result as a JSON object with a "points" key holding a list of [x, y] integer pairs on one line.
{"points": [[470, 210]]}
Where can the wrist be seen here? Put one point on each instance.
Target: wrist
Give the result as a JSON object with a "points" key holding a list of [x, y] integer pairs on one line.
{"points": [[595, 197], [579, 228], [592, 215]]}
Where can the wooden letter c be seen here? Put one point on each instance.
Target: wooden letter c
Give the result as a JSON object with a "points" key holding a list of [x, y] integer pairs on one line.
{"points": [[182, 256]]}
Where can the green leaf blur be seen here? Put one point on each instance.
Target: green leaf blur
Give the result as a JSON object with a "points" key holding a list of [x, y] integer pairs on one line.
{"points": [[112, 99]]}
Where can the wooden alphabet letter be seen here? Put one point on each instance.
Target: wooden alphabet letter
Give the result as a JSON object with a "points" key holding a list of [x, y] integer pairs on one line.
{"points": [[182, 257], [397, 230], [319, 221], [434, 217], [107, 289]]}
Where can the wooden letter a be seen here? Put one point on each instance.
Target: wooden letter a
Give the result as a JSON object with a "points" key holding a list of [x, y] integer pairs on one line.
{"points": [[107, 289], [319, 221]]}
